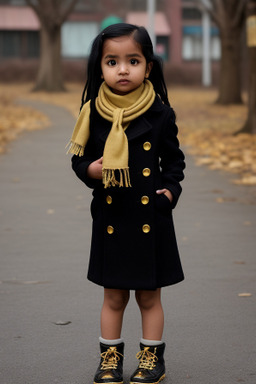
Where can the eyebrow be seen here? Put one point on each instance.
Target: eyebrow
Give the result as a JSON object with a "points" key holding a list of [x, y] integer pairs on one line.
{"points": [[116, 56]]}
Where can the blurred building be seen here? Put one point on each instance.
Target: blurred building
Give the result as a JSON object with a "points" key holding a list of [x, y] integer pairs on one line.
{"points": [[178, 30]]}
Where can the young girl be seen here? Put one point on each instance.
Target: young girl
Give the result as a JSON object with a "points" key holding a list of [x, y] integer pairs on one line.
{"points": [[126, 149]]}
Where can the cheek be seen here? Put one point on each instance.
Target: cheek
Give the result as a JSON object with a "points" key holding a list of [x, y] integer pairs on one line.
{"points": [[105, 72]]}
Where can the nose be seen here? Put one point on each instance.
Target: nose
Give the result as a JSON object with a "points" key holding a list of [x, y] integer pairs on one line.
{"points": [[123, 69]]}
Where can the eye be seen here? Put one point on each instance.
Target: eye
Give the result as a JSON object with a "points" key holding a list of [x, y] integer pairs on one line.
{"points": [[134, 61], [111, 63]]}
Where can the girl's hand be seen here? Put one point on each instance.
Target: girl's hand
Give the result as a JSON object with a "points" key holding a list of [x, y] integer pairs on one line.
{"points": [[166, 192], [94, 171]]}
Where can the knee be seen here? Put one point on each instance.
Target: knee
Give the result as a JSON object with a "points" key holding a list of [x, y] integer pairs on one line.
{"points": [[146, 300], [117, 300]]}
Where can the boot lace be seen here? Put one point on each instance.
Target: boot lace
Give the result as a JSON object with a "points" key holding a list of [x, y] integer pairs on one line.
{"points": [[110, 358], [147, 358]]}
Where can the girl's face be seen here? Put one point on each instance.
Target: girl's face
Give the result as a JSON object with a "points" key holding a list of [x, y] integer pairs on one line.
{"points": [[123, 65]]}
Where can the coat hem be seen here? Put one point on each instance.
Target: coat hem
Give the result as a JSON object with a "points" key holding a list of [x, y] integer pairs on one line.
{"points": [[133, 288]]}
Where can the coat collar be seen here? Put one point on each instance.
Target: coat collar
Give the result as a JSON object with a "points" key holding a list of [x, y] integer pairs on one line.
{"points": [[137, 128]]}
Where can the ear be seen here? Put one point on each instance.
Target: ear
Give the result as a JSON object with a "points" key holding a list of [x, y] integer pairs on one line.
{"points": [[102, 76], [148, 69]]}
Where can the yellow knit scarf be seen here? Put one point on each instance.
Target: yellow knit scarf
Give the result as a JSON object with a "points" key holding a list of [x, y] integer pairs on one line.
{"points": [[120, 110]]}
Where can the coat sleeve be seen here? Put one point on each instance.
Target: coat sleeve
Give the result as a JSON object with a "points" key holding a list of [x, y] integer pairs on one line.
{"points": [[171, 158], [80, 165]]}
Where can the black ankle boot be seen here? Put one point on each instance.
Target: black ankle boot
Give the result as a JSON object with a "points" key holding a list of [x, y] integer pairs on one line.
{"points": [[110, 369], [151, 369]]}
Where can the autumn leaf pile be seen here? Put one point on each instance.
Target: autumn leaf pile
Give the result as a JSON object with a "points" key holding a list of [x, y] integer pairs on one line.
{"points": [[14, 119], [206, 129]]}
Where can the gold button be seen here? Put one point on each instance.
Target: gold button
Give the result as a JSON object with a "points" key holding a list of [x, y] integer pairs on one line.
{"points": [[145, 200], [146, 228], [147, 146], [110, 229], [109, 199], [146, 172]]}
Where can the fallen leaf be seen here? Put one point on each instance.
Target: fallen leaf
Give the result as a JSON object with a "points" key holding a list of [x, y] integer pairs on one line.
{"points": [[225, 199], [246, 180], [204, 161], [235, 164], [62, 322]]}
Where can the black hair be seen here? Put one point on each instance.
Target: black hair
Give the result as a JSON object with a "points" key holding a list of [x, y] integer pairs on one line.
{"points": [[141, 36]]}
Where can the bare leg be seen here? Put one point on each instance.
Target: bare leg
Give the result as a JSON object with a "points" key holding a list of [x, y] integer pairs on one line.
{"points": [[115, 301], [151, 313]]}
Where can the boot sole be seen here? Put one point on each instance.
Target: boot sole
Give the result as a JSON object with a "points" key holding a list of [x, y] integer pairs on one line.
{"points": [[156, 382], [109, 382]]}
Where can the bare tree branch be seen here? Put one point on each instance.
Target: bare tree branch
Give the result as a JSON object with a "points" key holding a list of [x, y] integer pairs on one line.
{"points": [[221, 12], [32, 5], [229, 6], [219, 9], [51, 12], [67, 11], [240, 11]]}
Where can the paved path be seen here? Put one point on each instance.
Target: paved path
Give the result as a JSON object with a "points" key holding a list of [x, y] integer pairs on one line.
{"points": [[45, 234]]}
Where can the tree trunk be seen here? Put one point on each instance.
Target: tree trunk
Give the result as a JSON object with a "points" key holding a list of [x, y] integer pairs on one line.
{"points": [[250, 125], [230, 71], [50, 75], [229, 17], [52, 14]]}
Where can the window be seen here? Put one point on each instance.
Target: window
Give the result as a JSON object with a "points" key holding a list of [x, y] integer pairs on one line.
{"points": [[33, 44], [192, 43], [10, 43], [162, 47], [191, 47], [76, 38], [19, 44], [191, 14]]}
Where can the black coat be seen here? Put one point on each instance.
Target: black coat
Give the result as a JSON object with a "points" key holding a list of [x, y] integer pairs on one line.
{"points": [[133, 242]]}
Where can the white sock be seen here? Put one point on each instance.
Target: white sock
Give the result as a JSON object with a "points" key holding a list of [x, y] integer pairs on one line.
{"points": [[151, 343], [111, 342]]}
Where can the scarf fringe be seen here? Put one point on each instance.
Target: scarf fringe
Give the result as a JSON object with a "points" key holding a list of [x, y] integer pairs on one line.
{"points": [[109, 178], [75, 149]]}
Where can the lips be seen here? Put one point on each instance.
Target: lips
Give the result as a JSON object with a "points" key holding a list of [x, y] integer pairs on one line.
{"points": [[123, 81]]}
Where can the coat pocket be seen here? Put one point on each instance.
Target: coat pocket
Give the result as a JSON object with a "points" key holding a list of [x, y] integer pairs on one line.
{"points": [[163, 205]]}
